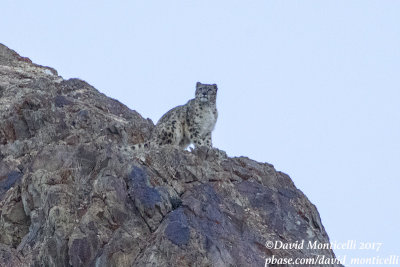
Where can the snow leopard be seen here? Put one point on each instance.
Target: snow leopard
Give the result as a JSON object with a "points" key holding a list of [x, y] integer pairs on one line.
{"points": [[191, 123]]}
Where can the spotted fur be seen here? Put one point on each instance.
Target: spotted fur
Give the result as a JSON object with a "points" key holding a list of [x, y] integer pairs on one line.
{"points": [[191, 123]]}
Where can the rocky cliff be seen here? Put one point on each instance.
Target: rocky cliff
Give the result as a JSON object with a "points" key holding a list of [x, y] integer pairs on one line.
{"points": [[72, 193]]}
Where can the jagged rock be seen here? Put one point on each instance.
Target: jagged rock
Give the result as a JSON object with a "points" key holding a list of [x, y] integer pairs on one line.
{"points": [[73, 193]]}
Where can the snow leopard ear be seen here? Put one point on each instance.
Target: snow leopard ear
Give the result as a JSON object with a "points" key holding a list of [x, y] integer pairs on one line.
{"points": [[198, 84], [215, 87]]}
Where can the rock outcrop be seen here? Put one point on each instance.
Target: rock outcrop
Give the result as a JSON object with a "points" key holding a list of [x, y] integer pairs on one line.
{"points": [[73, 193]]}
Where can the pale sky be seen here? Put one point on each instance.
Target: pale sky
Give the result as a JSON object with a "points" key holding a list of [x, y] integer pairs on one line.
{"points": [[312, 87]]}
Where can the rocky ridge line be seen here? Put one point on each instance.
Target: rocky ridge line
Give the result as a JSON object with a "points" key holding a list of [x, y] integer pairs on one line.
{"points": [[72, 193]]}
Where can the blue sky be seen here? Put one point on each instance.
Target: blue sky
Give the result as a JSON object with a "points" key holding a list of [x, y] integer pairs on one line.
{"points": [[312, 87]]}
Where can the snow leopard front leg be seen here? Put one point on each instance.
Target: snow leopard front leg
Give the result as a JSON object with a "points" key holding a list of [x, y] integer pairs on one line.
{"points": [[203, 141]]}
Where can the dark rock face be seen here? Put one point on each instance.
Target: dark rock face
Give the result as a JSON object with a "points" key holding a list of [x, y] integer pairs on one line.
{"points": [[72, 193]]}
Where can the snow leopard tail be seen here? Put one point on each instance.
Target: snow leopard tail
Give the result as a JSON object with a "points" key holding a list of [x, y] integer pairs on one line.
{"points": [[141, 146]]}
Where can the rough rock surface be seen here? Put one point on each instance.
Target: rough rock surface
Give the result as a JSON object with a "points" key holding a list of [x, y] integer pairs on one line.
{"points": [[72, 193]]}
